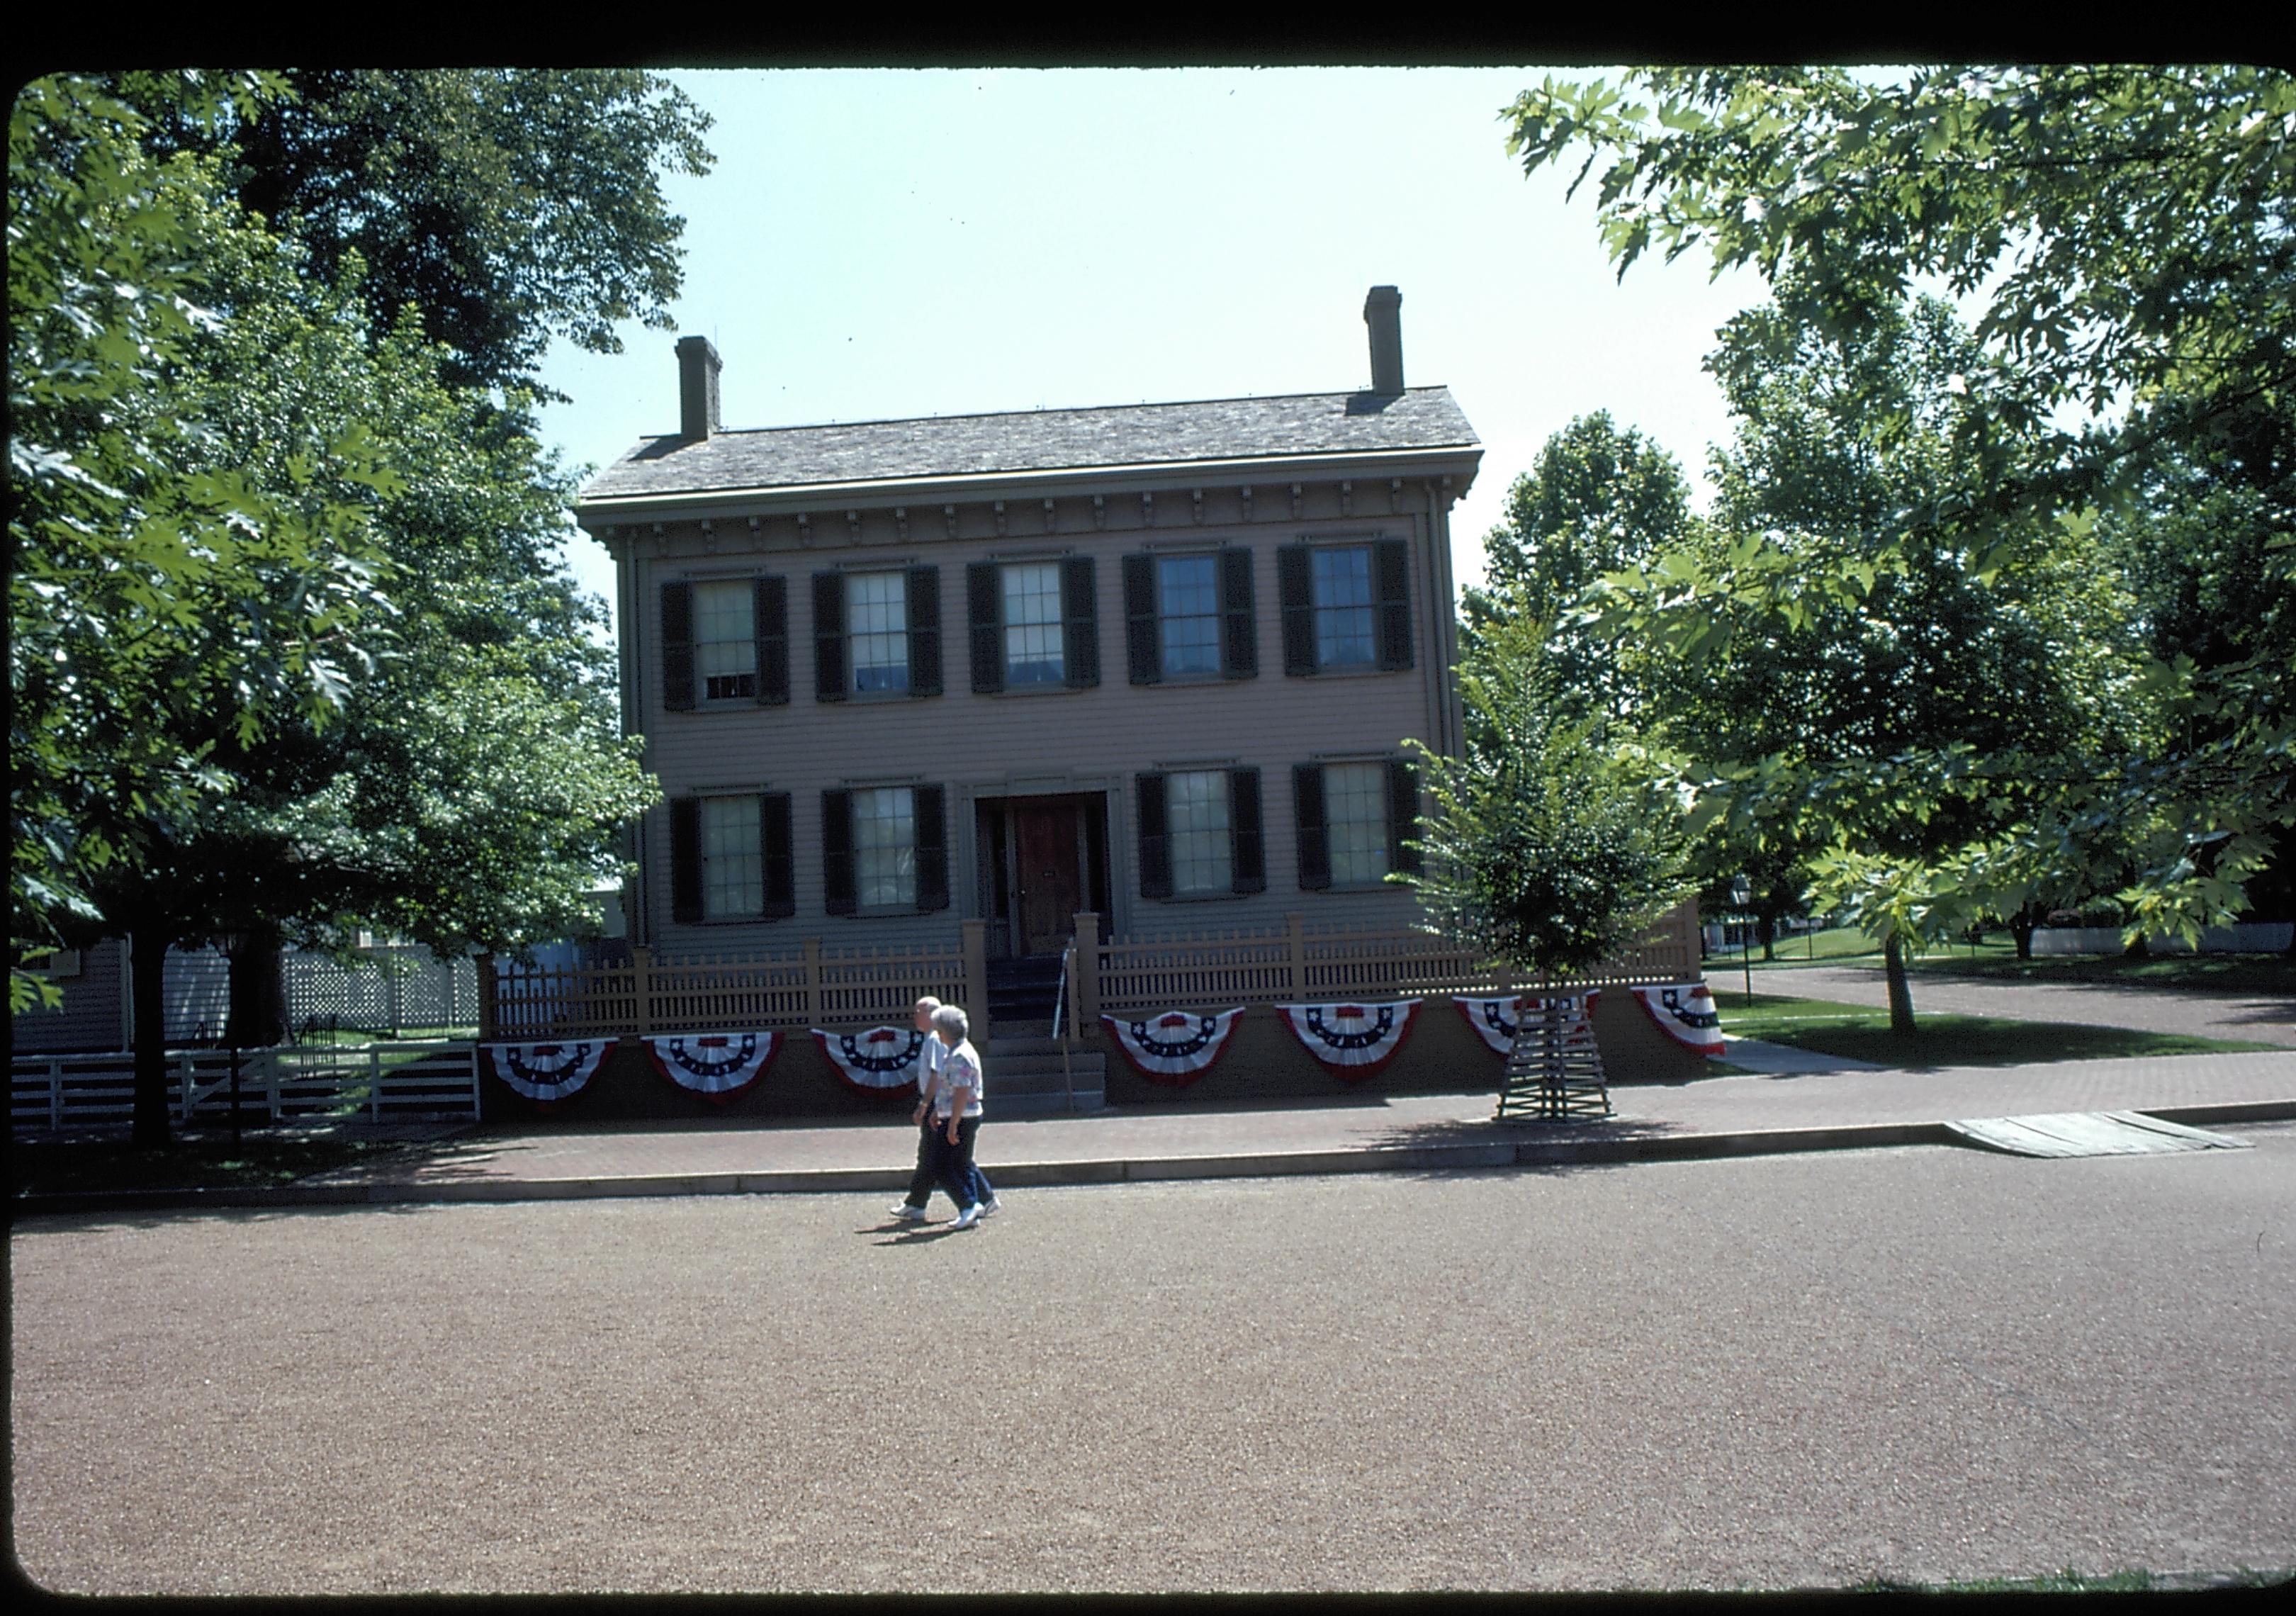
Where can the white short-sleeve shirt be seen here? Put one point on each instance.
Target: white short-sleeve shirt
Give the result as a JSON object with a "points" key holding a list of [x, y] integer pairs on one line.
{"points": [[930, 1060]]}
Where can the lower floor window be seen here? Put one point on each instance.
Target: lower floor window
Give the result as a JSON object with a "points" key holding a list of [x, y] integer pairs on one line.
{"points": [[1355, 808], [1197, 820], [885, 847], [733, 864]]}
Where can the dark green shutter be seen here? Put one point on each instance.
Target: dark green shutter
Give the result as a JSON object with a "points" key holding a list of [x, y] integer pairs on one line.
{"points": [[1295, 592], [1247, 858], [829, 636], [925, 631], [686, 860], [839, 893], [1308, 824], [928, 813], [773, 642], [1238, 629], [984, 601], [777, 843], [1141, 650], [1155, 843], [1079, 623], [1402, 815], [677, 647], [1391, 567]]}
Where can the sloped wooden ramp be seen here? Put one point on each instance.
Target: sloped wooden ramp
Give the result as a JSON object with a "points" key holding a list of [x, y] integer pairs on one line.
{"points": [[2088, 1133]]}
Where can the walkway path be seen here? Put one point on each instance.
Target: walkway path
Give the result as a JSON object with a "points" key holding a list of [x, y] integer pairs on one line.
{"points": [[2258, 1018]]}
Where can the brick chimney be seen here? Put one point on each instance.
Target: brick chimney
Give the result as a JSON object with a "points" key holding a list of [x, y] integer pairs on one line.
{"points": [[697, 365], [1382, 313]]}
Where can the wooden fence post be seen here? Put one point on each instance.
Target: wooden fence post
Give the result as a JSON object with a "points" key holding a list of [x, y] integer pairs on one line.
{"points": [[489, 1010], [975, 934], [813, 1016], [1084, 984], [642, 985], [1296, 926]]}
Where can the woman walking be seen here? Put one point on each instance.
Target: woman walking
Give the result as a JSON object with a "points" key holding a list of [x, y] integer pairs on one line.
{"points": [[956, 1101], [911, 1208]]}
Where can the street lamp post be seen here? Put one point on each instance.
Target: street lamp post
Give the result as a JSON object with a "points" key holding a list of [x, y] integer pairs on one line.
{"points": [[1741, 893]]}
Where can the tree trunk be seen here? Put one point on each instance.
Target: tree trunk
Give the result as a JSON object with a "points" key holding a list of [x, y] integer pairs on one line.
{"points": [[1767, 929], [259, 993], [147, 957], [2020, 930], [1901, 993]]}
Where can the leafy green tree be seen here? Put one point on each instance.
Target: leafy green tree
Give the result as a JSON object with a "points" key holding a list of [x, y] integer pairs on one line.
{"points": [[508, 206], [1545, 848], [2127, 233], [160, 599]]}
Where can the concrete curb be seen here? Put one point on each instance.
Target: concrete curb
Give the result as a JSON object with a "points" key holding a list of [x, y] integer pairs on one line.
{"points": [[1552, 1150]]}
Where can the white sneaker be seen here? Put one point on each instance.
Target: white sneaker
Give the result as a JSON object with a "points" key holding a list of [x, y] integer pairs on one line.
{"points": [[909, 1214], [966, 1218], [991, 1205]]}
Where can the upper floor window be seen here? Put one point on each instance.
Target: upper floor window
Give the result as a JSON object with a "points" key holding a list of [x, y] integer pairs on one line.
{"points": [[1035, 625], [876, 634], [1345, 607], [1340, 586], [1032, 624], [879, 639], [1187, 616], [725, 641], [1190, 617]]}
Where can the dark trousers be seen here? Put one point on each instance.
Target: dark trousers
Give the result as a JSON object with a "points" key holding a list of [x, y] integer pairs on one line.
{"points": [[952, 1168], [932, 1137]]}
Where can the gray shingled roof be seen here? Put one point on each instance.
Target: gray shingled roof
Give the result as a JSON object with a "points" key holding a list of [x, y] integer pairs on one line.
{"points": [[1038, 440]]}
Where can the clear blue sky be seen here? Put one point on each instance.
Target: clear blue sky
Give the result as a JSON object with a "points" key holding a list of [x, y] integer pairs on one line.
{"points": [[874, 244]]}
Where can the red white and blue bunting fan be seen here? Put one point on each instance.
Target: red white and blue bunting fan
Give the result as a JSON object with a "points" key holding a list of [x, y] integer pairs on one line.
{"points": [[547, 1073], [1354, 1040], [1175, 1047], [716, 1065], [1495, 1021], [1684, 1012], [880, 1059]]}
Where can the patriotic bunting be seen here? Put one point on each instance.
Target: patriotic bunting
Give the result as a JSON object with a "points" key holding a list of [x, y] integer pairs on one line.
{"points": [[1175, 1047], [1354, 1040], [547, 1073], [718, 1066], [1495, 1021], [880, 1059], [1685, 1014]]}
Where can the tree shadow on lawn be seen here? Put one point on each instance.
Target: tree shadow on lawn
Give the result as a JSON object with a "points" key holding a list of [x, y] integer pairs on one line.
{"points": [[1941, 1041]]}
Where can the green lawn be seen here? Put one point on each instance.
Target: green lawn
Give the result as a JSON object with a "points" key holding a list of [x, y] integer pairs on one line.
{"points": [[1863, 1034], [1994, 959]]}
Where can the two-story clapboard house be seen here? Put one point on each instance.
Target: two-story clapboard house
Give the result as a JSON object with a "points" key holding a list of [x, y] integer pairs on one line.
{"points": [[1155, 662]]}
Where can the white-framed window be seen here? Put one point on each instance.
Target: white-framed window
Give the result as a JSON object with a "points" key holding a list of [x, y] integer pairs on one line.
{"points": [[732, 863], [1196, 820], [885, 847], [877, 607], [1188, 614], [1340, 583], [1032, 623], [1355, 814], [725, 640]]}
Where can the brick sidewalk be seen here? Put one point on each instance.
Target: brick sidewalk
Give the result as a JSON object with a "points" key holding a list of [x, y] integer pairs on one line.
{"points": [[1713, 1106]]}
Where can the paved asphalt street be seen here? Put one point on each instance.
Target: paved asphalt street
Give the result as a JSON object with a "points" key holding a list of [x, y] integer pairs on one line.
{"points": [[1787, 1371]]}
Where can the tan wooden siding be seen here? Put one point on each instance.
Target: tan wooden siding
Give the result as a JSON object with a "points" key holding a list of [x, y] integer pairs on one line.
{"points": [[981, 745]]}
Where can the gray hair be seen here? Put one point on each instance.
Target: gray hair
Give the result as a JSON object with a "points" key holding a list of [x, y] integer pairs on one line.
{"points": [[949, 1019], [926, 1003]]}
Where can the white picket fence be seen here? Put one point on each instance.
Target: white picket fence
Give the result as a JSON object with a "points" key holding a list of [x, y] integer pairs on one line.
{"points": [[370, 1082]]}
